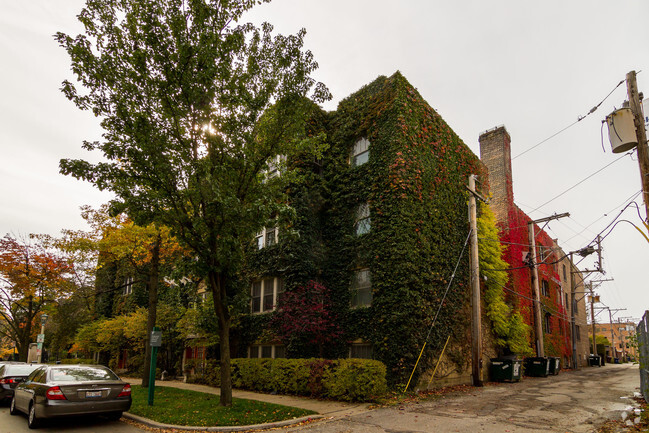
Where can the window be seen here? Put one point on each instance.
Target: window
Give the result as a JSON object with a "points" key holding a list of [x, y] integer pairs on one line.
{"points": [[565, 274], [127, 288], [578, 332], [361, 288], [361, 350], [567, 303], [266, 351], [363, 223], [360, 152], [542, 253], [267, 237], [545, 288], [265, 294], [547, 323], [274, 166]]}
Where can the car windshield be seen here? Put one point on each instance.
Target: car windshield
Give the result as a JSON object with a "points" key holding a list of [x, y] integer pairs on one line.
{"points": [[19, 370], [63, 374]]}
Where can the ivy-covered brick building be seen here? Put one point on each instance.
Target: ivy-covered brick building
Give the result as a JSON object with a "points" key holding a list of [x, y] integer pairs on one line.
{"points": [[555, 271], [381, 222]]}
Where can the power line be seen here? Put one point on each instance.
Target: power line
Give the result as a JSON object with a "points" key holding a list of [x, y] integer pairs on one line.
{"points": [[582, 181], [631, 198], [579, 119]]}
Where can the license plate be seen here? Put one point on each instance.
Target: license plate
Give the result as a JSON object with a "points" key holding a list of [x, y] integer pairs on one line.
{"points": [[93, 394]]}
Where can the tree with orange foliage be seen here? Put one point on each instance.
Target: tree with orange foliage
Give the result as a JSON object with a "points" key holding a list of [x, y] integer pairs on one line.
{"points": [[31, 278], [144, 250]]}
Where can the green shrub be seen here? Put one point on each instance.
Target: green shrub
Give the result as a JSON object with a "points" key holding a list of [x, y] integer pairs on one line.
{"points": [[355, 380], [345, 379]]}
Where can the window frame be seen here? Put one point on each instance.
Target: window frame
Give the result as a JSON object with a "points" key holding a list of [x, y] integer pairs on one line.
{"points": [[363, 346], [276, 351], [274, 166], [267, 237], [362, 219], [127, 288], [266, 300], [547, 323], [358, 285], [360, 152]]}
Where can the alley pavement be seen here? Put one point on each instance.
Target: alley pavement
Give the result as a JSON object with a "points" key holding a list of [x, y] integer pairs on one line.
{"points": [[573, 401]]}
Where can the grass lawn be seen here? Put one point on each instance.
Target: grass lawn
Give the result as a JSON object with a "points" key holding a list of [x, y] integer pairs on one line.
{"points": [[184, 407]]}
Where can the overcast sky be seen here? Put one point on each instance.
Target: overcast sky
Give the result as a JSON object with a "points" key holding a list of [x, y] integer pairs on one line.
{"points": [[534, 67]]}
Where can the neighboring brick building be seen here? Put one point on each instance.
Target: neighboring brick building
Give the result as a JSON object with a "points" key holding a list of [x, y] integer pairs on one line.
{"points": [[495, 153], [619, 334], [572, 281]]}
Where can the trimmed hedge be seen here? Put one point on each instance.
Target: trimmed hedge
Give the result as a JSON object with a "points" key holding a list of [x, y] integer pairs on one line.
{"points": [[343, 379]]}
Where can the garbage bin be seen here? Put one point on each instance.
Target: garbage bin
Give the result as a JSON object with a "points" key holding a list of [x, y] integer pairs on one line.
{"points": [[555, 365], [503, 369], [594, 360], [537, 366]]}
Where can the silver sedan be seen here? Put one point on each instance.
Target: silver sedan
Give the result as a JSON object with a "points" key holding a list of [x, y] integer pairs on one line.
{"points": [[63, 390]]}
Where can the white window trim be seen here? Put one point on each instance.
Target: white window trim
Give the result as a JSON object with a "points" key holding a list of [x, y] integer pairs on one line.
{"points": [[127, 289], [278, 286], [360, 147], [275, 165], [361, 343], [355, 288], [263, 236], [273, 350], [362, 219]]}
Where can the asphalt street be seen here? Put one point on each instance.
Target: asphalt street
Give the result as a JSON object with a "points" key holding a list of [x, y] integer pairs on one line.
{"points": [[570, 402]]}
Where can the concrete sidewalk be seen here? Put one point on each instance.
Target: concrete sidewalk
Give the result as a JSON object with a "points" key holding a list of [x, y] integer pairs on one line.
{"points": [[325, 409]]}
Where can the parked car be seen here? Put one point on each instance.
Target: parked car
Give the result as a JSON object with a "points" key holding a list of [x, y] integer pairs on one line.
{"points": [[11, 375], [63, 390]]}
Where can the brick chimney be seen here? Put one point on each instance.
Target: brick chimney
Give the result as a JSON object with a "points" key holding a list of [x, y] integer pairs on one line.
{"points": [[495, 153]]}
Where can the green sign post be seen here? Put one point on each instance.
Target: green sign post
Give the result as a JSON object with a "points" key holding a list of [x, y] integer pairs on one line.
{"points": [[155, 341]]}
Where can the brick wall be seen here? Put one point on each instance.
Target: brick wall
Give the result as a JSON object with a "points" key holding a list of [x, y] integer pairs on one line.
{"points": [[495, 153]]}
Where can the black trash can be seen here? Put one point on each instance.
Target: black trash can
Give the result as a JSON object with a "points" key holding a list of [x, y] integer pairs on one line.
{"points": [[537, 367], [505, 369], [555, 365], [594, 361]]}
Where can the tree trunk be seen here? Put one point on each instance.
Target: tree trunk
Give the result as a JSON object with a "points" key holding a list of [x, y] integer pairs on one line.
{"points": [[217, 284], [152, 284]]}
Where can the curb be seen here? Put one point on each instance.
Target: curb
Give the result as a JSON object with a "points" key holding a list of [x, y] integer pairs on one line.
{"points": [[269, 425]]}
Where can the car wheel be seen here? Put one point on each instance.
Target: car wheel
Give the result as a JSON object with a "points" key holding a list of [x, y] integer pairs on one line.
{"points": [[12, 407], [32, 421], [114, 416]]}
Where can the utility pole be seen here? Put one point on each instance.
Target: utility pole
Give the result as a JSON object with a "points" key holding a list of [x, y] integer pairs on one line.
{"points": [[538, 321], [594, 299], [476, 315], [573, 325], [584, 252], [592, 315], [635, 104]]}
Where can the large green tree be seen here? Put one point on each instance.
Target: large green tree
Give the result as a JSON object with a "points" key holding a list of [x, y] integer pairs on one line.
{"points": [[196, 107]]}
